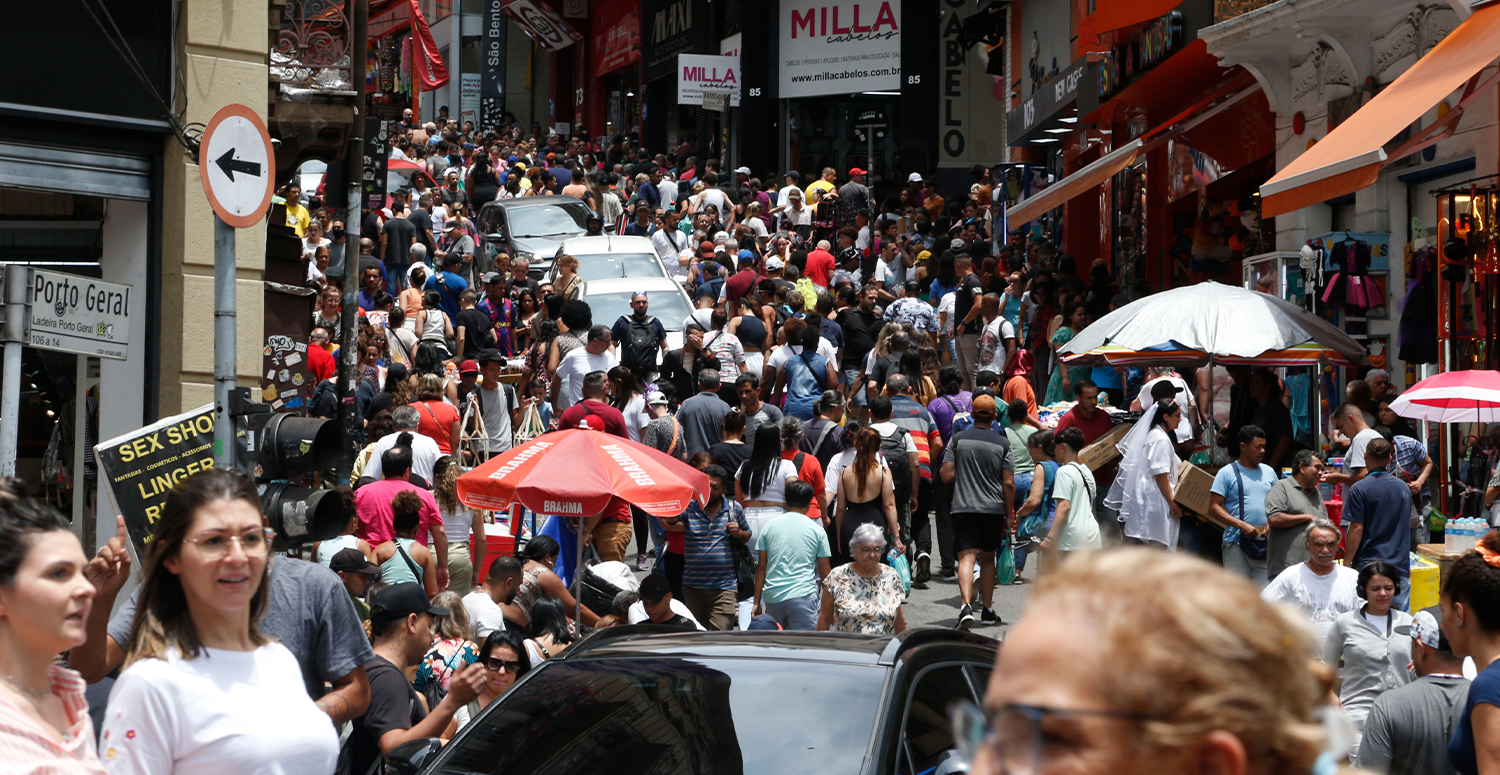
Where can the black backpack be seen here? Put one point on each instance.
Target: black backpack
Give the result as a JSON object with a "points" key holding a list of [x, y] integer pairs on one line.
{"points": [[638, 351], [893, 447]]}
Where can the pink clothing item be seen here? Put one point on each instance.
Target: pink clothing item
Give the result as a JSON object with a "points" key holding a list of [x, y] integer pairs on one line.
{"points": [[26, 747], [373, 504]]}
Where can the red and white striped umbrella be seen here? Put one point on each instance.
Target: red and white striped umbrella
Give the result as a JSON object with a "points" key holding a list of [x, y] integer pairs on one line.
{"points": [[1453, 396]]}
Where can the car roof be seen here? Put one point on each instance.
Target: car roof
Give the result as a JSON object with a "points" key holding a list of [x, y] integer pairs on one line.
{"points": [[535, 201], [608, 243], [624, 642], [608, 285]]}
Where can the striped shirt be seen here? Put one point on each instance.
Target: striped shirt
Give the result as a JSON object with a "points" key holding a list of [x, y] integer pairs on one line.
{"points": [[26, 747], [708, 562], [917, 421]]}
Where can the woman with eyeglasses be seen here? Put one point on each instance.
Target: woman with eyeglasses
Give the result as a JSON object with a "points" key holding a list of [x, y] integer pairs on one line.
{"points": [[203, 689], [1140, 662], [504, 658], [863, 596]]}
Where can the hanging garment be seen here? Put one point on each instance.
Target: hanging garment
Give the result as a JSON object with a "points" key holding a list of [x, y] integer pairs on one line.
{"points": [[1417, 334], [1350, 287]]}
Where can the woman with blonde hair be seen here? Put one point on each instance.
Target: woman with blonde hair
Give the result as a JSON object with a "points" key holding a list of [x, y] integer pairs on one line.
{"points": [[465, 529], [203, 689], [567, 283], [1136, 661], [453, 646]]}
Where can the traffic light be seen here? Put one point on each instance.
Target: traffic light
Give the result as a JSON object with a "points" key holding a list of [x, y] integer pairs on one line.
{"points": [[282, 451]]}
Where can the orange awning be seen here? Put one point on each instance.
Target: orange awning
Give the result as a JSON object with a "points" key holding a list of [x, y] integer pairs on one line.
{"points": [[1351, 156], [1102, 169]]}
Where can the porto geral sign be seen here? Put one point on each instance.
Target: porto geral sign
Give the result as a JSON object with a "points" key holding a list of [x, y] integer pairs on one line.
{"points": [[79, 315]]}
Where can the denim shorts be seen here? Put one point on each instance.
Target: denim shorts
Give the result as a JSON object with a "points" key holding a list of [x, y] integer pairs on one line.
{"points": [[850, 375]]}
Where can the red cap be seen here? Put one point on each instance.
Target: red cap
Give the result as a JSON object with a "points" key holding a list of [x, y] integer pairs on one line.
{"points": [[857, 171], [468, 367]]}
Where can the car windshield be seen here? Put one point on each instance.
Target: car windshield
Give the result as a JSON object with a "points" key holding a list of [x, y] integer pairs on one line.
{"points": [[603, 266], [670, 714], [667, 305], [560, 220]]}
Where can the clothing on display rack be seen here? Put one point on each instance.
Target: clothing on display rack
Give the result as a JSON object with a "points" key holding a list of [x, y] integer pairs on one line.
{"points": [[1418, 332], [1350, 287]]}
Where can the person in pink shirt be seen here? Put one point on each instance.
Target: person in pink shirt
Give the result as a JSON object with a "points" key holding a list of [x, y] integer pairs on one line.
{"points": [[373, 504]]}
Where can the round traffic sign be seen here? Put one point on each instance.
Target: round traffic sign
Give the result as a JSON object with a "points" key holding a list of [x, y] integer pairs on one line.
{"points": [[237, 165]]}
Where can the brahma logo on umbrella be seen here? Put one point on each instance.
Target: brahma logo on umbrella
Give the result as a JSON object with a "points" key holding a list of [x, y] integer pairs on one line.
{"points": [[520, 459], [562, 507], [627, 463]]}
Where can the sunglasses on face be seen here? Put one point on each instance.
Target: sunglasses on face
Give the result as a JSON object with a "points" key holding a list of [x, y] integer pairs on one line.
{"points": [[495, 665]]}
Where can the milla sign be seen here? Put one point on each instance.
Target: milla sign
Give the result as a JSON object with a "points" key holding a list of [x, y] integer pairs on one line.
{"points": [[839, 47], [697, 74]]}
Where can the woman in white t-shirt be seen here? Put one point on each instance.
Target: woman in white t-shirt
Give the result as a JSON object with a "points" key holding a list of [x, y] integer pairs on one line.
{"points": [[760, 483], [629, 396], [204, 691]]}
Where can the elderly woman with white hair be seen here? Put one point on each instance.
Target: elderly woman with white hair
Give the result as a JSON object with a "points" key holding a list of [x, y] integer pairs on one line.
{"points": [[863, 596]]}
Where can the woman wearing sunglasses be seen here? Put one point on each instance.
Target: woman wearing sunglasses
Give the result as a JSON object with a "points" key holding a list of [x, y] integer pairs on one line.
{"points": [[1134, 661], [203, 690], [505, 661]]}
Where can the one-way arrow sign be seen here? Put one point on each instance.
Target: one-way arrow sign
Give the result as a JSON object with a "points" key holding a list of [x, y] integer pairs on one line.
{"points": [[238, 166], [231, 165]]}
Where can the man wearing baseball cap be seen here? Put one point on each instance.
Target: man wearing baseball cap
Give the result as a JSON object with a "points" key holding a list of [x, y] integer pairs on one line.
{"points": [[792, 179], [738, 284], [356, 571], [855, 192], [401, 627], [981, 513], [1408, 728]]}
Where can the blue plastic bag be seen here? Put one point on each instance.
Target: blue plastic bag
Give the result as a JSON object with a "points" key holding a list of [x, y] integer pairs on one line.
{"points": [[902, 566]]}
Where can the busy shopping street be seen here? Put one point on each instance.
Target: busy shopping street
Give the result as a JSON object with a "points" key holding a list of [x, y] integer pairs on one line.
{"points": [[798, 387]]}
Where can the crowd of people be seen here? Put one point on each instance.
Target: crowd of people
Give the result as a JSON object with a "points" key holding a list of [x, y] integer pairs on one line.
{"points": [[860, 384]]}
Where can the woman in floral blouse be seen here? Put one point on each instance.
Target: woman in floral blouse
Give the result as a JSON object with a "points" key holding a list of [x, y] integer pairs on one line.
{"points": [[453, 650], [865, 595]]}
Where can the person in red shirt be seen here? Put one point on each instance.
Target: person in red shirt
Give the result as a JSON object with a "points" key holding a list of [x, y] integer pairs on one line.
{"points": [[1018, 386], [319, 362], [1086, 415], [436, 418], [809, 468], [820, 265], [372, 502], [739, 284], [592, 412]]}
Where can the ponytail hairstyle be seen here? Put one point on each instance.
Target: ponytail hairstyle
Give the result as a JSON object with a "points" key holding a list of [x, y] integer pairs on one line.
{"points": [[162, 621]]}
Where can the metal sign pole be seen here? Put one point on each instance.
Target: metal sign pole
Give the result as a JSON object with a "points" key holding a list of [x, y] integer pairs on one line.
{"points": [[226, 362], [17, 285]]}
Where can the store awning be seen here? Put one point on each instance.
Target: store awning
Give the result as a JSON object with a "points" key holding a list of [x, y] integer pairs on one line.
{"points": [[1102, 169], [1351, 156]]}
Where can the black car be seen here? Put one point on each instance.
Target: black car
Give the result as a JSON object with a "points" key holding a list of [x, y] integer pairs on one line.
{"points": [[651, 699], [532, 227]]}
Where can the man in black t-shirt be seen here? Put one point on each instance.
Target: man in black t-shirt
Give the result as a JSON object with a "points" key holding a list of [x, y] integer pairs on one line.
{"points": [[656, 598], [968, 323], [472, 332], [421, 218], [401, 626], [396, 238], [861, 325]]}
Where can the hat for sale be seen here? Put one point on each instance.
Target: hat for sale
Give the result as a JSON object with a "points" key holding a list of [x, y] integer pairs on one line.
{"points": [[742, 171], [1427, 628], [983, 405], [857, 171], [399, 601], [915, 177], [468, 367], [353, 561], [773, 263]]}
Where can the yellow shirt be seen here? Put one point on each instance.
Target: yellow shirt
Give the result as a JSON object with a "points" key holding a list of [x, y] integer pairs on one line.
{"points": [[817, 185], [297, 218]]}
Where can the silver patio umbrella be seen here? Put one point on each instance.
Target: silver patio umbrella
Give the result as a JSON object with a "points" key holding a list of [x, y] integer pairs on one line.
{"points": [[1221, 321]]}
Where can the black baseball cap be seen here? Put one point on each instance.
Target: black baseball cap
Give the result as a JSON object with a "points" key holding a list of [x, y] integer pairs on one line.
{"points": [[399, 601], [654, 588], [1164, 389], [352, 561]]}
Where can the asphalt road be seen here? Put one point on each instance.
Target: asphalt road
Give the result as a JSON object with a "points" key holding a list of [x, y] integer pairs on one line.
{"points": [[935, 604]]}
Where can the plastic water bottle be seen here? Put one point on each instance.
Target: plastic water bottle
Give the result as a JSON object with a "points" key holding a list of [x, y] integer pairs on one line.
{"points": [[1470, 536], [1450, 536]]}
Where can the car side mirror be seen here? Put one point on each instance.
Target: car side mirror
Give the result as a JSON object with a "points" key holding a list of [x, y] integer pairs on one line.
{"points": [[495, 237], [410, 757]]}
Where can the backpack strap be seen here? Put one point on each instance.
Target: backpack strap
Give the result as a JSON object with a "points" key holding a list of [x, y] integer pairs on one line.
{"points": [[415, 569], [823, 435]]}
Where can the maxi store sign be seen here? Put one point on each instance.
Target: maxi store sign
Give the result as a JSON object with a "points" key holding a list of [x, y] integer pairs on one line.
{"points": [[839, 47], [1122, 64], [697, 74], [78, 315], [672, 28]]}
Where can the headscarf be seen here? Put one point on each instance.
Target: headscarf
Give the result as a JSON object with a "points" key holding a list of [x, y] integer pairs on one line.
{"points": [[1135, 495]]}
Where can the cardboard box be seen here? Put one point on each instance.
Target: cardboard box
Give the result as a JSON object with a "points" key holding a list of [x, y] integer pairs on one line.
{"points": [[1105, 449], [1193, 489]]}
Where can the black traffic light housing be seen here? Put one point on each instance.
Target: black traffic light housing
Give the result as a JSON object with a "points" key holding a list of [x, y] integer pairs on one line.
{"points": [[275, 448]]}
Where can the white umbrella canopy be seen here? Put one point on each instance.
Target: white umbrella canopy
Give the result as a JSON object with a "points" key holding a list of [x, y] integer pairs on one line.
{"points": [[1216, 319]]}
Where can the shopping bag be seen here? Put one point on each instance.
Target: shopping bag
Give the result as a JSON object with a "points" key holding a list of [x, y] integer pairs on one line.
{"points": [[531, 426], [902, 566], [1005, 563]]}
